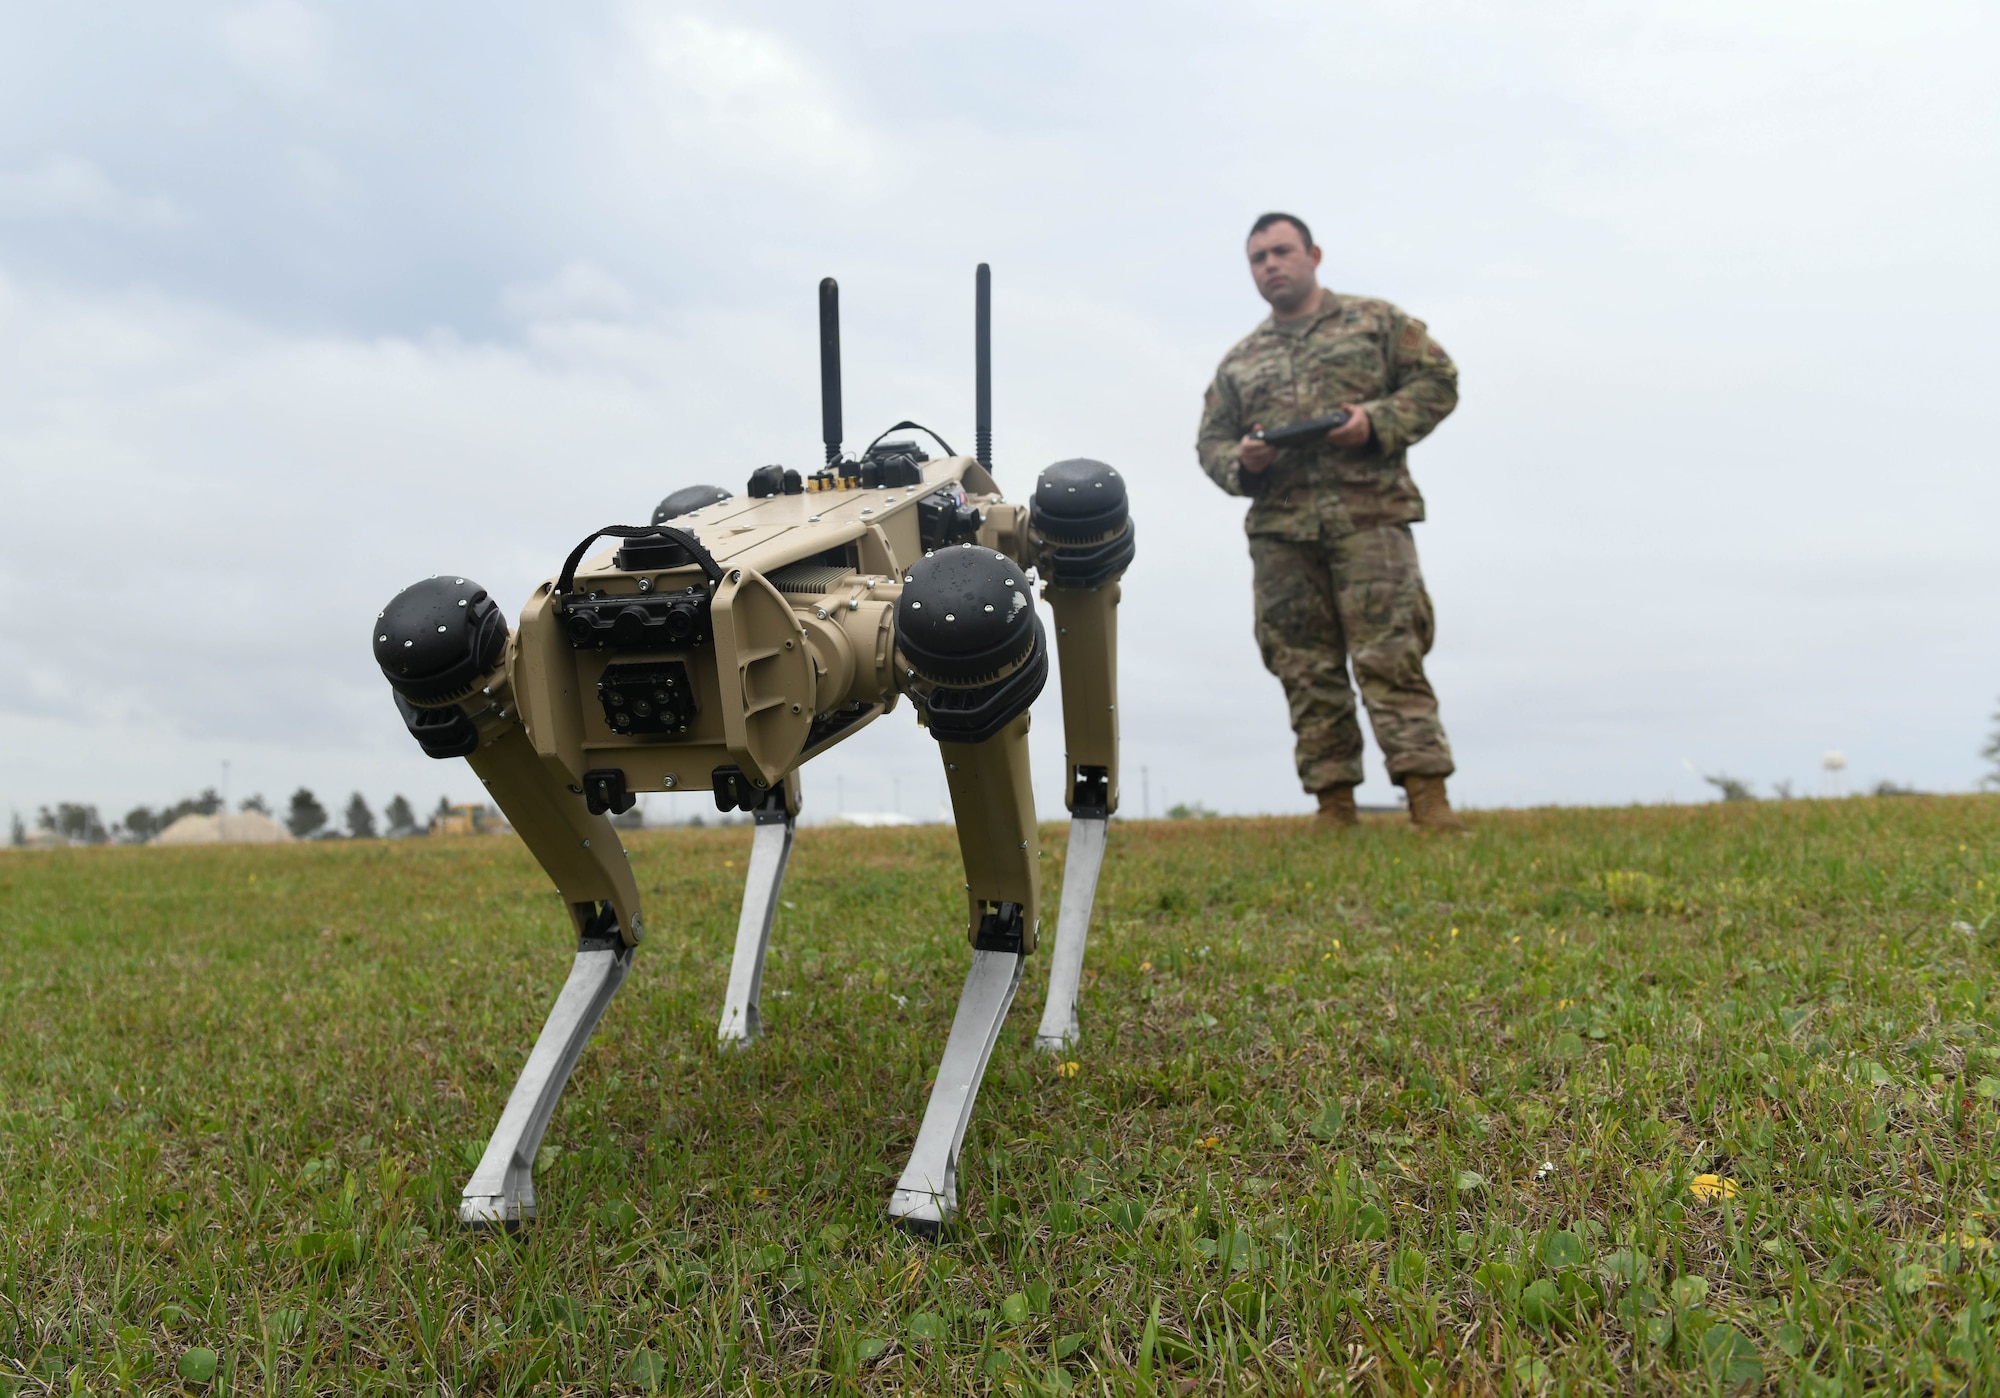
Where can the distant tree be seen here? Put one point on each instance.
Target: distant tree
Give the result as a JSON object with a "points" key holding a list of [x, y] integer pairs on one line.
{"points": [[142, 823], [634, 819], [1781, 791], [74, 822], [306, 814], [1991, 752], [1183, 810], [255, 803], [401, 819], [17, 836], [360, 820], [443, 807], [1892, 789], [1731, 788]]}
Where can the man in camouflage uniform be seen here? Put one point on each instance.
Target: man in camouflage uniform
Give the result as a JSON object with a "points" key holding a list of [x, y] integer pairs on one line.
{"points": [[1336, 574]]}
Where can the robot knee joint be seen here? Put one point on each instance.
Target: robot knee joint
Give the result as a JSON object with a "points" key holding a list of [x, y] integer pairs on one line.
{"points": [[1083, 517], [435, 641], [969, 638]]}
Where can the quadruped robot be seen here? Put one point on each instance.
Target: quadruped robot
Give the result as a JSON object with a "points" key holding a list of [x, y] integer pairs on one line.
{"points": [[734, 638]]}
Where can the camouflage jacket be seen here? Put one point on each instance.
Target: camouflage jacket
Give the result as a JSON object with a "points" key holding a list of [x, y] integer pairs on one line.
{"points": [[1352, 350]]}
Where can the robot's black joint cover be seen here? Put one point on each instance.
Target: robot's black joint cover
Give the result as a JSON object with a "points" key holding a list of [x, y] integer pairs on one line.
{"points": [[687, 500], [1091, 797], [1000, 929], [733, 790], [976, 714], [566, 582], [1079, 501], [1301, 433], [604, 790], [966, 615], [443, 732], [1084, 517], [767, 481], [1093, 566], [437, 638], [600, 928]]}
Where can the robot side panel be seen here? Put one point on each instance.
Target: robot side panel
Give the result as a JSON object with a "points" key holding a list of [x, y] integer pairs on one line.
{"points": [[767, 676]]}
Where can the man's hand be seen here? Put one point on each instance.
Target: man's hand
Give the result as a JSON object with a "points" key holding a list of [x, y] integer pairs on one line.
{"points": [[1254, 456], [1354, 432]]}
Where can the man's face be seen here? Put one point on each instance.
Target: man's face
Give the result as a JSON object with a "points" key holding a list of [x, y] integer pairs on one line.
{"points": [[1284, 267]]}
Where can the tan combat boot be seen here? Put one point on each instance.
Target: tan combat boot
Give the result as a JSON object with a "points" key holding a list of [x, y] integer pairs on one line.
{"points": [[1430, 810], [1336, 808]]}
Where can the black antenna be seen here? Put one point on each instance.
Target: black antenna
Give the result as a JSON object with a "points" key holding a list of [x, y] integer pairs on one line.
{"points": [[829, 368], [982, 367]]}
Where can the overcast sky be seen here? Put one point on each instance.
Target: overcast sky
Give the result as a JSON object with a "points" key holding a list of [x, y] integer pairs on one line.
{"points": [[299, 303]]}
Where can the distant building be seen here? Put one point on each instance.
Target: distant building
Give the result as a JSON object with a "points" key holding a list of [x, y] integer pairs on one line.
{"points": [[870, 818], [470, 820], [243, 828]]}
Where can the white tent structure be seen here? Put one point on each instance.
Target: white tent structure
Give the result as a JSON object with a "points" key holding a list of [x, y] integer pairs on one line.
{"points": [[243, 828]]}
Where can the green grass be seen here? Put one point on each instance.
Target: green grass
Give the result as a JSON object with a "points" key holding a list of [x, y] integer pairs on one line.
{"points": [[1379, 1113]]}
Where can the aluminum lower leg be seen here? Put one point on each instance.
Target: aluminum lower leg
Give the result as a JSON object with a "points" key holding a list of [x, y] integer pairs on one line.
{"points": [[770, 848], [926, 1196], [501, 1192], [1059, 1028]]}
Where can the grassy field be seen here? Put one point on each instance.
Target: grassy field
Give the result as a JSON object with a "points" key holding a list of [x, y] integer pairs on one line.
{"points": [[1377, 1114]]}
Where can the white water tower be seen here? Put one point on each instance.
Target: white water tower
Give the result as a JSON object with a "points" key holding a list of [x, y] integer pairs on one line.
{"points": [[1834, 762]]}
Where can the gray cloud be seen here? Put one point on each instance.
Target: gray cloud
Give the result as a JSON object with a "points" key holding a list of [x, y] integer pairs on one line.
{"points": [[430, 289]]}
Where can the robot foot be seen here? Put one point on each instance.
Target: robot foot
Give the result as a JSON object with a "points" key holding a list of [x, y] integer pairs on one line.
{"points": [[1059, 1029], [501, 1192], [926, 1197], [770, 848]]}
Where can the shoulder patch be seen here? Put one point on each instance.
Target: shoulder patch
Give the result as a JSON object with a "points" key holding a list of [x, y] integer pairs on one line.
{"points": [[1414, 335]]}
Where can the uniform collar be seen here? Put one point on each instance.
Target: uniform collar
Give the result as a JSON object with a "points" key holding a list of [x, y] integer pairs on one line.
{"points": [[1329, 304]]}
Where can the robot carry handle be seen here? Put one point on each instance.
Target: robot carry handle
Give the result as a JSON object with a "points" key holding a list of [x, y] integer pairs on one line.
{"points": [[567, 582]]}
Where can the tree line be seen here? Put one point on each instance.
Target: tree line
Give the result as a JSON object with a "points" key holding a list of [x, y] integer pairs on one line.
{"points": [[304, 816]]}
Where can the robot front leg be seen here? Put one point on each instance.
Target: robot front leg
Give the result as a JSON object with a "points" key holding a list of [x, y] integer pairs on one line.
{"points": [[501, 1192], [444, 648], [994, 806], [581, 851], [770, 849]]}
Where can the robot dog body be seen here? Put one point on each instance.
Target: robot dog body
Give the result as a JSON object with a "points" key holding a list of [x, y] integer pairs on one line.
{"points": [[730, 642]]}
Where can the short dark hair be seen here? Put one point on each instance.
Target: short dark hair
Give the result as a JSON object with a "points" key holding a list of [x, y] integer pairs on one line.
{"points": [[1266, 220]]}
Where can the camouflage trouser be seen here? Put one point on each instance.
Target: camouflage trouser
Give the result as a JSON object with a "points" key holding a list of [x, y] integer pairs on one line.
{"points": [[1320, 602]]}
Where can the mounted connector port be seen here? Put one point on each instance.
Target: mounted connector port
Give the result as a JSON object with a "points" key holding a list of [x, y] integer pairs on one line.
{"points": [[944, 519], [661, 621], [647, 698]]}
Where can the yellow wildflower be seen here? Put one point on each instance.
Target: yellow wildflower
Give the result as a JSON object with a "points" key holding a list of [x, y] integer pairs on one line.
{"points": [[1209, 1142], [1068, 1070], [1712, 1187]]}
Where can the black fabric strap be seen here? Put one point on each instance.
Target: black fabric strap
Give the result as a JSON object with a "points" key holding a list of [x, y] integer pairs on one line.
{"points": [[567, 581]]}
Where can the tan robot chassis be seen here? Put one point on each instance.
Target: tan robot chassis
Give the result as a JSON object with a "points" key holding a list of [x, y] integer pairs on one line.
{"points": [[732, 640]]}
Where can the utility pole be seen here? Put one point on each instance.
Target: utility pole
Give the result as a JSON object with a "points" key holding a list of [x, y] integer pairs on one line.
{"points": [[1145, 794]]}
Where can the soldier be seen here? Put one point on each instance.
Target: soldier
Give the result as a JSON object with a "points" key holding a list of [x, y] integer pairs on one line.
{"points": [[1336, 573]]}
